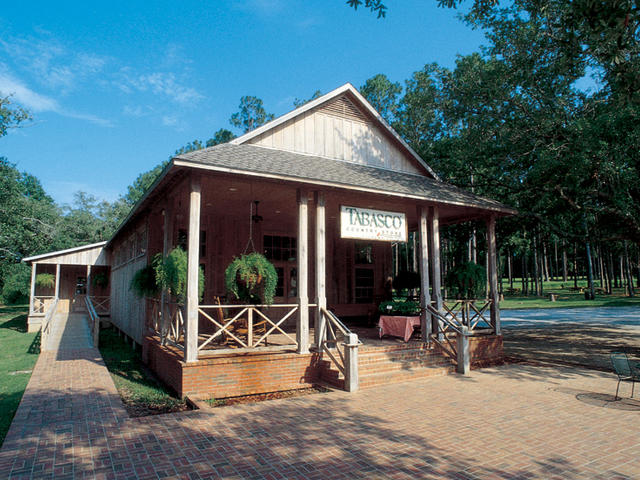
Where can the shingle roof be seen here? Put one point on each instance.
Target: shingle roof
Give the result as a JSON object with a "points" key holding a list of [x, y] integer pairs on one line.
{"points": [[294, 166]]}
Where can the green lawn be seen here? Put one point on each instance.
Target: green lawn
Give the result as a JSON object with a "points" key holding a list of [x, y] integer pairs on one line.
{"points": [[567, 297], [18, 354], [141, 393]]}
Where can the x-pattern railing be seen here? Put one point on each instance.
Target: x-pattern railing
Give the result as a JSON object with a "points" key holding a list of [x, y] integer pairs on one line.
{"points": [[41, 303], [167, 322], [101, 304], [333, 336], [464, 313], [46, 323], [245, 321]]}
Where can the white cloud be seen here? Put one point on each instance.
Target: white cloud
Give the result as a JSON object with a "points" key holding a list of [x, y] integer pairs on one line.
{"points": [[51, 63], [158, 83], [27, 97], [41, 103]]}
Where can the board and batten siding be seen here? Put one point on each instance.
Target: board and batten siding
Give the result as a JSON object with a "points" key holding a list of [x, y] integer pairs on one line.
{"points": [[339, 131], [127, 309]]}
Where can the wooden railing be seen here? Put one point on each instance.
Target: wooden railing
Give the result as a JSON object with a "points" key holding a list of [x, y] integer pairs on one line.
{"points": [[473, 314], [246, 326], [41, 304], [46, 324], [168, 325], [341, 346], [102, 304], [94, 321]]}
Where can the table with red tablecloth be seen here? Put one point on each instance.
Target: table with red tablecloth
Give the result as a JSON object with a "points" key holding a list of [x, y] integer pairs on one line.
{"points": [[398, 326]]}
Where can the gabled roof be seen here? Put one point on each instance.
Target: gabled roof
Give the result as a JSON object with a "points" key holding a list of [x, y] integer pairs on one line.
{"points": [[253, 160], [64, 252], [362, 102]]}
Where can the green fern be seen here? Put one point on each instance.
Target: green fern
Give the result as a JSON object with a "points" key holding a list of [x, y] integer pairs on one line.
{"points": [[252, 278], [46, 280]]}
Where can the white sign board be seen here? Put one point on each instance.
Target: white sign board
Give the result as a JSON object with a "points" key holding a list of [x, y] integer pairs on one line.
{"points": [[369, 224]]}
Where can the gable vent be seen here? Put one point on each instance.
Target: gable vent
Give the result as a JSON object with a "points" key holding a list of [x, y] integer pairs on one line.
{"points": [[343, 108]]}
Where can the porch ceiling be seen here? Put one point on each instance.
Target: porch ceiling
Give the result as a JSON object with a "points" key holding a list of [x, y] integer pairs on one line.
{"points": [[264, 162]]}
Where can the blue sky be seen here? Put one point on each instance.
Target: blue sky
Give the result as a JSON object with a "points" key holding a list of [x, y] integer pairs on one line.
{"points": [[115, 88]]}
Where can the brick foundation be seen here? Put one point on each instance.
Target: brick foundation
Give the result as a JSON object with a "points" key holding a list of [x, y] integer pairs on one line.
{"points": [[486, 350], [231, 375]]}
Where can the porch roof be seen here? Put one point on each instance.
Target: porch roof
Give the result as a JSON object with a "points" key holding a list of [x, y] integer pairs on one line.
{"points": [[270, 163]]}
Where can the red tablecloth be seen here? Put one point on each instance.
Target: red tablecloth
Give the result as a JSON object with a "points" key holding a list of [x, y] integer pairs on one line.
{"points": [[398, 326]]}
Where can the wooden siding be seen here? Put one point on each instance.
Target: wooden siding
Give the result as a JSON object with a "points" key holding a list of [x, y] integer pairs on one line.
{"points": [[92, 256], [127, 309], [340, 131]]}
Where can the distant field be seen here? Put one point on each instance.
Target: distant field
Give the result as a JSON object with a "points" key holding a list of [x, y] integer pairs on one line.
{"points": [[566, 297], [19, 351]]}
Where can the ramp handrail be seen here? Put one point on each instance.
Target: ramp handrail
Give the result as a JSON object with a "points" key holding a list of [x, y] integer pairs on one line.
{"points": [[341, 346], [94, 321], [46, 323]]}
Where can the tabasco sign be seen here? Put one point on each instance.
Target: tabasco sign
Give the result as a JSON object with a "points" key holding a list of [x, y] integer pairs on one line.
{"points": [[369, 224]]}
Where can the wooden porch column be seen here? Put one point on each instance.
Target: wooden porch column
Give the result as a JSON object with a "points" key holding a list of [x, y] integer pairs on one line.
{"points": [[191, 321], [302, 330], [434, 246], [493, 274], [33, 288], [167, 239], [88, 280], [321, 294], [57, 280], [425, 298]]}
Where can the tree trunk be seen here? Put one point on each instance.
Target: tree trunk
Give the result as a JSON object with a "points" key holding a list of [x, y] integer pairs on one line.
{"points": [[509, 270], [565, 270], [610, 275], [536, 271], [545, 263], [525, 276], [575, 266], [601, 267], [592, 294], [630, 288], [555, 251]]}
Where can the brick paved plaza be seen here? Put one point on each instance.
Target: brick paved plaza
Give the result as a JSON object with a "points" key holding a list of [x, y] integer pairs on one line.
{"points": [[516, 421]]}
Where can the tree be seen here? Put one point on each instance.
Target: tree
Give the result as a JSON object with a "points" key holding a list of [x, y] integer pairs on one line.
{"points": [[221, 136], [251, 115], [383, 95], [375, 6], [11, 115], [298, 102]]}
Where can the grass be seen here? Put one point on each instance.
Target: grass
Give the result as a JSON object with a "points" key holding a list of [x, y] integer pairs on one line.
{"points": [[566, 297], [18, 354], [141, 393]]}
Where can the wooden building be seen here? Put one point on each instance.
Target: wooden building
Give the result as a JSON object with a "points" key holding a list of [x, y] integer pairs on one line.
{"points": [[323, 192]]}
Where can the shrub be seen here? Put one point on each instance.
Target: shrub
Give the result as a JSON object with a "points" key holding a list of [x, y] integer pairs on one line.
{"points": [[16, 284], [100, 279], [467, 281], [406, 308], [252, 279]]}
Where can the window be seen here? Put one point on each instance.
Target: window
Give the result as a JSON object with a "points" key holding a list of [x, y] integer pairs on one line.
{"points": [[183, 238], [278, 248], [281, 251], [81, 285], [364, 285]]}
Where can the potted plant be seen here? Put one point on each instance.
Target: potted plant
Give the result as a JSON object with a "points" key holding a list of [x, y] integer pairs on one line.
{"points": [[252, 279], [100, 280], [144, 283], [45, 280], [171, 274]]}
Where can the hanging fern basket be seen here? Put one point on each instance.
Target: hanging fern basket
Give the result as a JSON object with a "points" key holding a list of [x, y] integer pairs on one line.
{"points": [[252, 279]]}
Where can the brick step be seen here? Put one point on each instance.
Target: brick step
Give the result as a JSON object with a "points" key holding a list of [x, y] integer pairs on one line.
{"points": [[406, 355], [400, 367], [365, 349], [386, 378]]}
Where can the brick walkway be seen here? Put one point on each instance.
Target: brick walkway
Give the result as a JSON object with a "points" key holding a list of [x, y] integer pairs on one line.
{"points": [[517, 421]]}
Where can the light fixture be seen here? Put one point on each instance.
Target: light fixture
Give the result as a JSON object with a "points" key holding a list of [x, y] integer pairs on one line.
{"points": [[233, 189]]}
